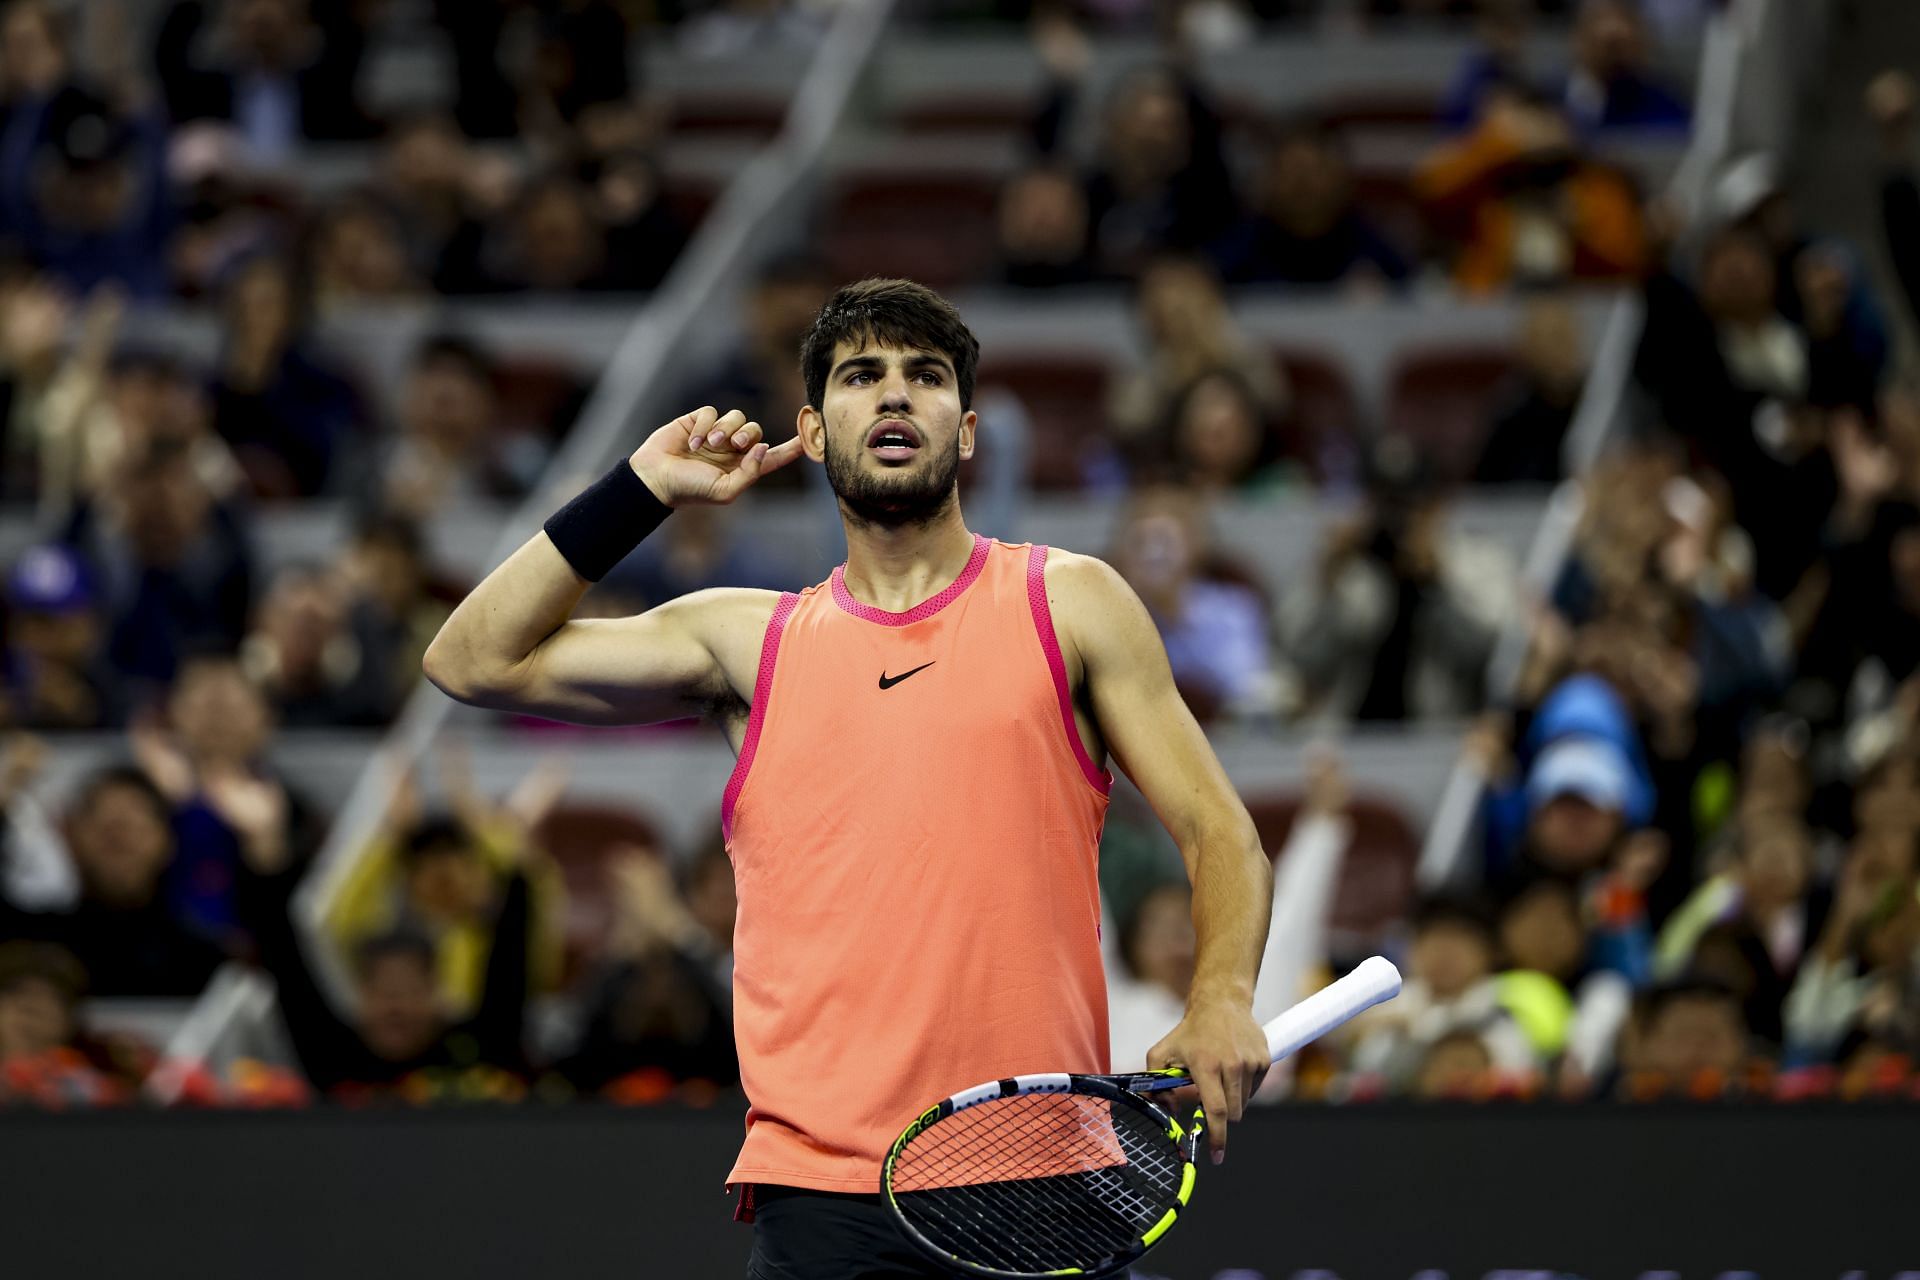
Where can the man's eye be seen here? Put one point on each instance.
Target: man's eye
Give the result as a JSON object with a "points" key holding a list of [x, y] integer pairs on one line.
{"points": [[858, 377], [930, 378]]}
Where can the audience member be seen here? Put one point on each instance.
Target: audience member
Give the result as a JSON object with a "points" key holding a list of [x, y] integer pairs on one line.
{"points": [[171, 563], [42, 1059], [1689, 1037], [1609, 86], [450, 445], [53, 673], [1400, 617], [123, 927], [1522, 204], [1042, 230], [276, 400], [1304, 228], [1215, 632], [1450, 987], [1526, 438], [306, 656], [283, 72], [1189, 333], [209, 759]]}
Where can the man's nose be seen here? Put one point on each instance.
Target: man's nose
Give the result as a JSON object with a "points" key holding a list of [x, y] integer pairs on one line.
{"points": [[894, 395]]}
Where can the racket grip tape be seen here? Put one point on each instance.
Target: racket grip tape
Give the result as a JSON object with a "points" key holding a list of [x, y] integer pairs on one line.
{"points": [[1371, 981]]}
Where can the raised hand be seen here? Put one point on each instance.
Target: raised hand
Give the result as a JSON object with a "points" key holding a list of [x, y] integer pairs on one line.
{"points": [[707, 458], [256, 809]]}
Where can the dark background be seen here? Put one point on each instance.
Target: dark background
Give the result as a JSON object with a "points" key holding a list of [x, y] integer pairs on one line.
{"points": [[584, 1193]]}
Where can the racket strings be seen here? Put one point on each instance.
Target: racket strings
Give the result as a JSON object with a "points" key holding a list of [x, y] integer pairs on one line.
{"points": [[1039, 1182]]}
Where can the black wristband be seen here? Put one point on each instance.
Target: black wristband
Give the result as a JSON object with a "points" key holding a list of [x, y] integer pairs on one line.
{"points": [[610, 518]]}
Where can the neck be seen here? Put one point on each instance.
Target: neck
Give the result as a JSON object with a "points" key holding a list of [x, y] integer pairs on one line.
{"points": [[896, 568]]}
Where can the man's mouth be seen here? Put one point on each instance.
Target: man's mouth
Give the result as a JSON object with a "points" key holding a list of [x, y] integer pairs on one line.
{"points": [[894, 440]]}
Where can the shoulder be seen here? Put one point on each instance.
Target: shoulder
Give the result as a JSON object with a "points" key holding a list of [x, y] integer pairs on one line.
{"points": [[721, 614], [1074, 579]]}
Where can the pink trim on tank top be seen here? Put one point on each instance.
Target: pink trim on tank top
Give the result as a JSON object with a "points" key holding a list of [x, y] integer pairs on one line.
{"points": [[1101, 779], [757, 714], [926, 608]]}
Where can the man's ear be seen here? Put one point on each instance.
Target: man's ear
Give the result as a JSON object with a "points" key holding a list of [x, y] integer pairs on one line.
{"points": [[812, 430], [969, 421]]}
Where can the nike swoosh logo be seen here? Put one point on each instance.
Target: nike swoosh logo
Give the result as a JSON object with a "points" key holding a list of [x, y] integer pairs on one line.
{"points": [[887, 681]]}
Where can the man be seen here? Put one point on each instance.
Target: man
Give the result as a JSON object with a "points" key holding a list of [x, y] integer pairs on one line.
{"points": [[914, 816]]}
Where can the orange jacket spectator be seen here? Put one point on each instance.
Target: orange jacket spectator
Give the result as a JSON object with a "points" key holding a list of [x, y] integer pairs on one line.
{"points": [[1520, 203]]}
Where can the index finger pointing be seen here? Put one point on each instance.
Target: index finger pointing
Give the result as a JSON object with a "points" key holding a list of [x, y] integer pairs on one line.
{"points": [[1213, 1099]]}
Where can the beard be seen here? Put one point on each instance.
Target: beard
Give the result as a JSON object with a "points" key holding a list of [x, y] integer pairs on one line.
{"points": [[889, 500]]}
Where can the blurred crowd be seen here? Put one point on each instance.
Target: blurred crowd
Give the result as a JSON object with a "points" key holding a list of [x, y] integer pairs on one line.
{"points": [[1696, 867]]}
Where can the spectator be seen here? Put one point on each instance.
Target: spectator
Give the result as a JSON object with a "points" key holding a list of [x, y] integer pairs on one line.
{"points": [[1496, 60], [210, 762], [1215, 632], [1521, 202], [359, 256], [399, 1040], [644, 234], [287, 414], [1690, 1036], [1890, 102], [52, 669], [395, 598], [1526, 439], [122, 928], [171, 562], [552, 241], [444, 192], [82, 186], [1400, 618], [657, 1018], [1042, 230], [1609, 86], [1766, 899], [1160, 180], [41, 1059], [1221, 438], [1861, 975], [305, 655], [443, 876], [1305, 228], [1189, 333], [1458, 1067], [1450, 987], [285, 72], [450, 445]]}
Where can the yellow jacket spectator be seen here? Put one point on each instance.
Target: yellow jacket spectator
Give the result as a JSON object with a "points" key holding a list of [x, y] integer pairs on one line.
{"points": [[444, 877]]}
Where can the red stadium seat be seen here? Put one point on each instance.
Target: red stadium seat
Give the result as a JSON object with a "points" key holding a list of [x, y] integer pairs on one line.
{"points": [[1441, 399], [1376, 886], [1381, 108], [1066, 395], [727, 111], [937, 229], [984, 112], [1325, 418], [583, 840]]}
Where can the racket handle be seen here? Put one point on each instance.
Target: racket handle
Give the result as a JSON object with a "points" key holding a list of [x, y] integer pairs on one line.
{"points": [[1372, 981]]}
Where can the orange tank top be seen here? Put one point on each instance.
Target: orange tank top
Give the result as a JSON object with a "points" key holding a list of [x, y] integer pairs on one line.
{"points": [[914, 825]]}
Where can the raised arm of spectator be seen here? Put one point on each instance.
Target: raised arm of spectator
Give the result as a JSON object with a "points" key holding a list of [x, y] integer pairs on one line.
{"points": [[1890, 100], [499, 1024]]}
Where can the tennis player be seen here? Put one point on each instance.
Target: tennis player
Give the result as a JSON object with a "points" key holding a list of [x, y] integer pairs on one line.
{"points": [[915, 814]]}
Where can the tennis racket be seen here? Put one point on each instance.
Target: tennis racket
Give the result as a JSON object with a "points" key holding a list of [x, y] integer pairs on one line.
{"points": [[1072, 1175]]}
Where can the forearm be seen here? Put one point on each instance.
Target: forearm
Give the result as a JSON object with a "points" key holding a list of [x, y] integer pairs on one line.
{"points": [[1232, 907], [500, 624]]}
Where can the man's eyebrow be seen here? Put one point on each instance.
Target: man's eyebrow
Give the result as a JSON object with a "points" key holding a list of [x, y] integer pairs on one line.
{"points": [[857, 362], [925, 358]]}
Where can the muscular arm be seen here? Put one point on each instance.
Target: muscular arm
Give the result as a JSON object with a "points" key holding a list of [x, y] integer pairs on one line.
{"points": [[512, 644], [1128, 687]]}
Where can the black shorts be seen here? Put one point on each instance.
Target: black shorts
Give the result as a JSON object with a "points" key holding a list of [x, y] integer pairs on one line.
{"points": [[827, 1235]]}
